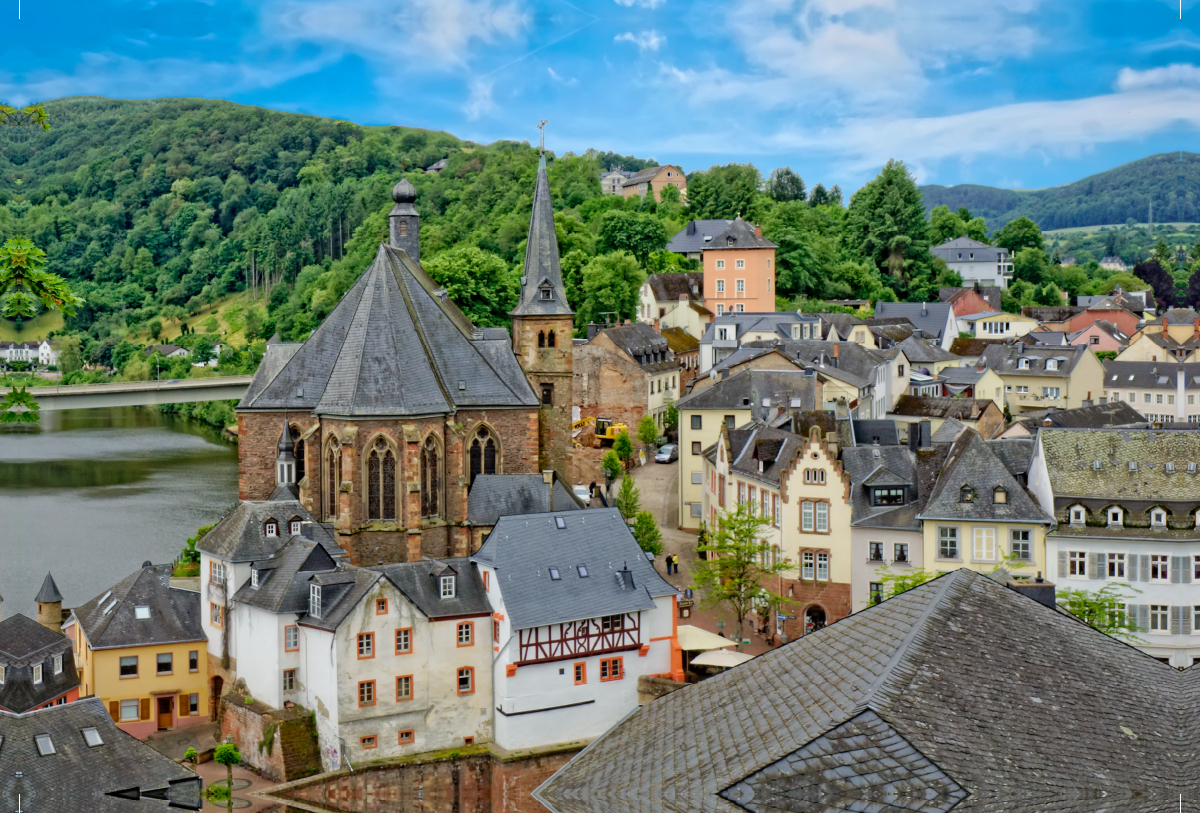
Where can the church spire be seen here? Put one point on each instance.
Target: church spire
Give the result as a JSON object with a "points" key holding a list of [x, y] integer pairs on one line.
{"points": [[285, 462], [542, 290]]}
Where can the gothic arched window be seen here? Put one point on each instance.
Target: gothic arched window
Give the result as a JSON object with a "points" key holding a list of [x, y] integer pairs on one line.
{"points": [[333, 478], [299, 452], [541, 338], [550, 339], [381, 481], [431, 478], [484, 451]]}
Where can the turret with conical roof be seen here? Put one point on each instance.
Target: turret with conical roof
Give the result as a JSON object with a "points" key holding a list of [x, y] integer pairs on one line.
{"points": [[49, 605], [285, 462], [404, 223]]}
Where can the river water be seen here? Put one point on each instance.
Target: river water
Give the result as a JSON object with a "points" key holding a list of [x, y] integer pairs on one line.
{"points": [[91, 494]]}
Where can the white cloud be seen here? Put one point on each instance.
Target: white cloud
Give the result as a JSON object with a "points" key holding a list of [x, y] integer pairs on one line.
{"points": [[640, 3], [645, 41], [569, 81], [1176, 75], [480, 102]]}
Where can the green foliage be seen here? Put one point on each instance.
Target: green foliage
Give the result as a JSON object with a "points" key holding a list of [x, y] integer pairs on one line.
{"points": [[638, 234], [647, 430], [189, 553], [671, 416], [732, 572], [895, 583], [646, 532], [727, 191], [611, 465], [268, 737], [623, 446], [1106, 355], [1020, 233], [18, 406], [885, 226], [190, 754], [227, 753], [1103, 609], [785, 185], [611, 284], [24, 285], [629, 499], [33, 115], [945, 225], [479, 282]]}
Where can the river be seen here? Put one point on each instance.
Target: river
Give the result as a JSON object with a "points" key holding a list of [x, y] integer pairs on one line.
{"points": [[91, 494]]}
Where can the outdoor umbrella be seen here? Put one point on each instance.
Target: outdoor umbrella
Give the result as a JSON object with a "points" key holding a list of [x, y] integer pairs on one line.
{"points": [[720, 657]]}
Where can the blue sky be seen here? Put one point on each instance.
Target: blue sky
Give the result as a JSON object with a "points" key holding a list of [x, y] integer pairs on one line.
{"points": [[1015, 93]]}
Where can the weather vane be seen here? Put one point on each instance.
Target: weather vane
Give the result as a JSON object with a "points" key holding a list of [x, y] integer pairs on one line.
{"points": [[542, 135]]}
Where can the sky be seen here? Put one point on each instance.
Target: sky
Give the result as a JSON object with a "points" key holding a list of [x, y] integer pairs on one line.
{"points": [[1021, 94]]}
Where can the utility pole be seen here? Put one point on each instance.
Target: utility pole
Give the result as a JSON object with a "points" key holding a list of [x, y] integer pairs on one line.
{"points": [[542, 136]]}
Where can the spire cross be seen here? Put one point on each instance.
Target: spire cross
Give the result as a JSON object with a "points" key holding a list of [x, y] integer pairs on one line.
{"points": [[542, 136]]}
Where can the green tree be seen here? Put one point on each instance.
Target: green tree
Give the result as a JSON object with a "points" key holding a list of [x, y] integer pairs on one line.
{"points": [[33, 115], [1030, 265], [18, 406], [155, 328], [895, 583], [1193, 290], [945, 225], [732, 571], [785, 185], [646, 532], [203, 351], [885, 224], [70, 354], [639, 234], [610, 464], [977, 229], [227, 754], [479, 282], [1018, 234], [611, 284], [671, 416], [1164, 254], [623, 446], [647, 430], [1103, 609], [22, 282], [629, 499], [1048, 294]]}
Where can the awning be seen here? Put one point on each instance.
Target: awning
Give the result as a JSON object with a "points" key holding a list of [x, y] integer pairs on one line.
{"points": [[721, 657], [694, 639]]}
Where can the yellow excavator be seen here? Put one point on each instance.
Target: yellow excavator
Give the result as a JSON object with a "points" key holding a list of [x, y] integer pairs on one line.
{"points": [[606, 431]]}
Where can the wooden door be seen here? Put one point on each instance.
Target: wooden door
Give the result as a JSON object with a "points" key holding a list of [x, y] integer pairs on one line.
{"points": [[164, 713]]}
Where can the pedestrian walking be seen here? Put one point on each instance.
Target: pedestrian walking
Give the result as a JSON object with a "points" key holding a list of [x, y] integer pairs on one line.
{"points": [[670, 559]]}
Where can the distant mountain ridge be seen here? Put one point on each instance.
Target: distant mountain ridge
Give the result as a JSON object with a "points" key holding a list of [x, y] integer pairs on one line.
{"points": [[1109, 197]]}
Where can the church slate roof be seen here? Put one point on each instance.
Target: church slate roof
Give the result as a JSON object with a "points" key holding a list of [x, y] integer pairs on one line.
{"points": [[78, 777], [109, 619], [24, 643], [394, 346], [240, 535], [500, 495], [959, 683], [541, 257]]}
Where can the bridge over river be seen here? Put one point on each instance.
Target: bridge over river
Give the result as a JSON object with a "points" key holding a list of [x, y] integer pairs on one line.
{"points": [[139, 393]]}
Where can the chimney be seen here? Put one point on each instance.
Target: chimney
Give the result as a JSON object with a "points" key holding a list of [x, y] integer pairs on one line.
{"points": [[691, 227], [1196, 328], [924, 310], [1164, 323], [758, 231], [1039, 590], [548, 479], [592, 330], [926, 434]]}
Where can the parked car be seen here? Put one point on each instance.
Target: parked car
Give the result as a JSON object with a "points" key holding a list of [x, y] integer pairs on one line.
{"points": [[581, 491], [668, 453]]}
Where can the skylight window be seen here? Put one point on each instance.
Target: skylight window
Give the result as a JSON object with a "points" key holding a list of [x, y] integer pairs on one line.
{"points": [[141, 612], [92, 737], [108, 609], [560, 523], [554, 574], [582, 569], [45, 745]]}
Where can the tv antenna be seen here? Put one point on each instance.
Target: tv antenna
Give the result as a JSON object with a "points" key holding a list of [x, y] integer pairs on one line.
{"points": [[542, 136]]}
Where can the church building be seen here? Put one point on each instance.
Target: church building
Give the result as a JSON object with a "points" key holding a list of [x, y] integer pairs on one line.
{"points": [[397, 402]]}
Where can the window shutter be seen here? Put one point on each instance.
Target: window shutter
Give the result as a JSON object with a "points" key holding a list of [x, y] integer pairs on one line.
{"points": [[1062, 564], [1185, 569], [114, 709], [183, 709], [1097, 565], [1143, 616], [144, 710], [1131, 567], [1185, 618], [1175, 622], [1144, 569], [1177, 569]]}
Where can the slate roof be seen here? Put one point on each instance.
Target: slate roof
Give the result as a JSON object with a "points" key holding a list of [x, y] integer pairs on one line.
{"points": [[522, 549], [283, 577], [1004, 359], [951, 249], [949, 431], [1117, 334], [670, 286], [108, 620], [691, 238], [865, 432], [77, 777], [541, 257], [1048, 338], [1178, 316], [499, 495], [743, 323], [864, 462], [927, 406], [970, 461], [931, 317], [745, 390], [394, 346], [680, 341], [49, 591], [1071, 455], [852, 357], [1165, 341], [415, 581], [640, 341], [1097, 416], [892, 333], [843, 323], [24, 643], [1051, 313], [1015, 453], [738, 235], [964, 376], [776, 448], [974, 347], [647, 174], [240, 535], [894, 707], [1150, 375]]}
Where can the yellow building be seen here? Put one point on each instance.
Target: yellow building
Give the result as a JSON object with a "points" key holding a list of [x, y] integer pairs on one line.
{"points": [[1040, 376], [140, 648]]}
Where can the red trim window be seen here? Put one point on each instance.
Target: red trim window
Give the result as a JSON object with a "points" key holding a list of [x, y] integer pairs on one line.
{"points": [[466, 633], [368, 741], [404, 641], [466, 680], [487, 582], [611, 669], [366, 693], [580, 673], [495, 630], [366, 645], [291, 638], [381, 606], [404, 688], [407, 737]]}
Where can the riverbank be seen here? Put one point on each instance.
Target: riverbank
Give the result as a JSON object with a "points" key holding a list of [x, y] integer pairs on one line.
{"points": [[216, 414]]}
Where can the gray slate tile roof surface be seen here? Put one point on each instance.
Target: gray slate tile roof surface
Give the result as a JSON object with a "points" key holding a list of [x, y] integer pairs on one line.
{"points": [[1097, 416], [283, 577], [743, 323], [1051, 313], [1006, 359], [640, 341], [923, 352], [970, 461], [885, 432], [108, 620], [25, 643], [78, 778], [931, 317], [1150, 375], [240, 536], [746, 390], [541, 257], [393, 346], [738, 235], [928, 406], [1071, 455], [892, 463], [416, 581], [499, 495], [1015, 453], [942, 686], [670, 286], [49, 591], [523, 549], [691, 239], [776, 448]]}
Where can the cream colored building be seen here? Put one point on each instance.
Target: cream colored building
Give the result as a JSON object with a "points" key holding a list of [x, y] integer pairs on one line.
{"points": [[997, 325], [1037, 377], [675, 300]]}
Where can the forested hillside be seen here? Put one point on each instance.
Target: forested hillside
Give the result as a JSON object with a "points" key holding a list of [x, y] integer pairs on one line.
{"points": [[1109, 198]]}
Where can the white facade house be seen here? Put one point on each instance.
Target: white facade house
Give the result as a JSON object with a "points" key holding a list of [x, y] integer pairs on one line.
{"points": [[579, 614], [40, 353], [976, 262]]}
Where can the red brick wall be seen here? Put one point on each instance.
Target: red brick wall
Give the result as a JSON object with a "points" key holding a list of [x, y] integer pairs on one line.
{"points": [[832, 597], [292, 753]]}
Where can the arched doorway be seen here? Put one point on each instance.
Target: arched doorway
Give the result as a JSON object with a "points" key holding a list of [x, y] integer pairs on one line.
{"points": [[814, 619], [215, 687]]}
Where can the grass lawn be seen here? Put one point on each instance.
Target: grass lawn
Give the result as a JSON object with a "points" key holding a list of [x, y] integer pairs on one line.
{"points": [[1110, 227], [32, 330]]}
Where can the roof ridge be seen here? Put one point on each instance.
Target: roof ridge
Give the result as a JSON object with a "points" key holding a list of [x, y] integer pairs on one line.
{"points": [[406, 295]]}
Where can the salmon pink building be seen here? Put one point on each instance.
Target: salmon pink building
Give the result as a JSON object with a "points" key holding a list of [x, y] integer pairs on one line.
{"points": [[739, 271]]}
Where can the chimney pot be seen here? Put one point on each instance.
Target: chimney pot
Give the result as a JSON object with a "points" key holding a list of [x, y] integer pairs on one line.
{"points": [[836, 349], [758, 231]]}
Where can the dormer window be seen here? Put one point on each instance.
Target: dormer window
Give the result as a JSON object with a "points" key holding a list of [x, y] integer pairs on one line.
{"points": [[294, 527], [966, 494], [254, 579], [1158, 518], [446, 586], [887, 496], [1022, 364], [1000, 495], [37, 673], [547, 294], [1078, 515], [1116, 516], [270, 528], [314, 600], [1051, 364]]}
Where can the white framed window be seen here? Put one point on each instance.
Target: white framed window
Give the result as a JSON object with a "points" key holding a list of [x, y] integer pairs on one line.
{"points": [[1160, 618], [1021, 545], [254, 578], [1050, 392], [806, 516], [721, 265], [1170, 399], [720, 309], [294, 527], [1077, 563], [1, 675], [1132, 398], [807, 560], [1051, 364], [447, 586], [289, 680], [1195, 618], [822, 567], [37, 673], [740, 308], [58, 664], [1116, 565], [1160, 567], [983, 545], [314, 600], [739, 263], [822, 517], [1158, 518], [947, 543], [1078, 515], [1146, 398], [1115, 516], [1022, 390], [129, 710], [291, 637], [721, 286], [740, 286]]}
